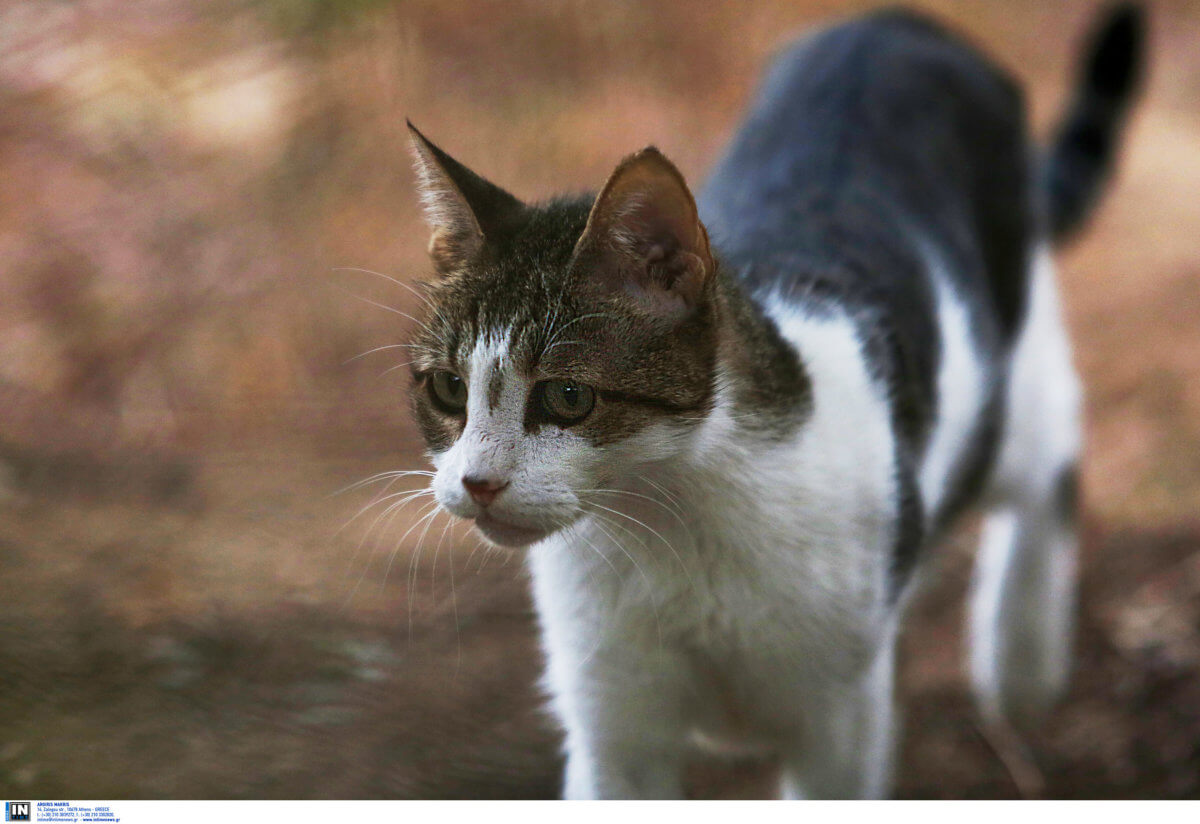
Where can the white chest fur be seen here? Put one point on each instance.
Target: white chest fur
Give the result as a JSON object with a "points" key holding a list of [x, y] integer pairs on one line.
{"points": [[727, 581]]}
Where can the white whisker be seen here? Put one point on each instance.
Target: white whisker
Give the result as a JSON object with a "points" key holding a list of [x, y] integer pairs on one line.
{"points": [[656, 534], [391, 309], [399, 283], [381, 476]]}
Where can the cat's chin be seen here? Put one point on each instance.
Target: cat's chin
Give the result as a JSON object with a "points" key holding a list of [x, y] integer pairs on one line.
{"points": [[506, 534]]}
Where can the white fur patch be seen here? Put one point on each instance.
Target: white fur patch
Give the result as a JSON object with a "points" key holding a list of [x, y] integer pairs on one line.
{"points": [[960, 396], [1042, 431], [494, 445]]}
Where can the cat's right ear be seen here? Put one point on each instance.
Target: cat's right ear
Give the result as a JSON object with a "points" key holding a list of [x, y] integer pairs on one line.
{"points": [[463, 210]]}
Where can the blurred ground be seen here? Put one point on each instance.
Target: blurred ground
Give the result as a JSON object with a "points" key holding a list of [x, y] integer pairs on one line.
{"points": [[180, 180]]}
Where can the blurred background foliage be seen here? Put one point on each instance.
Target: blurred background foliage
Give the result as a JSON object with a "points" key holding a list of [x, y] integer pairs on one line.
{"points": [[196, 202]]}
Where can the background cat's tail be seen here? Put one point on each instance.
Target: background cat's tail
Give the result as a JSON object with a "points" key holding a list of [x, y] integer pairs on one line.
{"points": [[1080, 157]]}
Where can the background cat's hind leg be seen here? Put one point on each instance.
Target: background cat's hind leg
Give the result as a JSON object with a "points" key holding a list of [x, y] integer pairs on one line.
{"points": [[1023, 597], [1023, 612]]}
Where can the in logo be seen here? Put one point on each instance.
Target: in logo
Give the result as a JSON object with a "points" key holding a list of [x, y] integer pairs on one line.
{"points": [[16, 811]]}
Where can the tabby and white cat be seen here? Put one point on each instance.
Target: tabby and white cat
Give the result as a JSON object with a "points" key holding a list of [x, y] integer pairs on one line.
{"points": [[728, 430]]}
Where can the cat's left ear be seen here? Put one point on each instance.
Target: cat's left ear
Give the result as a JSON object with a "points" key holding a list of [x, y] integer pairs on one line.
{"points": [[463, 210], [644, 237]]}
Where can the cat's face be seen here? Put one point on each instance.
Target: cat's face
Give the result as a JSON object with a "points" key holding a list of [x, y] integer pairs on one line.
{"points": [[564, 345]]}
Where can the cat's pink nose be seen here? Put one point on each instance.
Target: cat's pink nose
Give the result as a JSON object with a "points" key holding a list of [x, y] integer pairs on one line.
{"points": [[483, 490]]}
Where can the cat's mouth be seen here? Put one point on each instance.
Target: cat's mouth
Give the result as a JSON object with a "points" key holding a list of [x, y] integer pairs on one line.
{"points": [[506, 534]]}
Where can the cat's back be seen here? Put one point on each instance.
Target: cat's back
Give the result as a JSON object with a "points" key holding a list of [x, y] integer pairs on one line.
{"points": [[871, 142]]}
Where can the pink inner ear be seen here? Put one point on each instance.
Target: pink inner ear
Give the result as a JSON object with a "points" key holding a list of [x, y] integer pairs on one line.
{"points": [[645, 236]]}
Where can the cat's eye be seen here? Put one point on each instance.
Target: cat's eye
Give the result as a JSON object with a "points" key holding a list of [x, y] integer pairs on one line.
{"points": [[449, 391], [567, 402]]}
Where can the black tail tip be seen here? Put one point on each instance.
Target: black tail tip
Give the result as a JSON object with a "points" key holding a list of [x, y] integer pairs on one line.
{"points": [[1115, 54], [1082, 153]]}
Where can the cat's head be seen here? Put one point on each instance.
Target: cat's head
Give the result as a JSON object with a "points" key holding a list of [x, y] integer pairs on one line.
{"points": [[565, 345]]}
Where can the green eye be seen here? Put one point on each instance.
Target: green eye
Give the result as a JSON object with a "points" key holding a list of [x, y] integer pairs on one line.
{"points": [[449, 391], [566, 401]]}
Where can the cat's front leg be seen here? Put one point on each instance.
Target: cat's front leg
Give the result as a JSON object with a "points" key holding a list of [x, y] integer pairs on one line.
{"points": [[847, 747], [622, 711], [624, 734], [612, 770], [617, 684]]}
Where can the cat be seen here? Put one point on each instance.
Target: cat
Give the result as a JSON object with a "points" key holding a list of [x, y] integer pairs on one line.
{"points": [[729, 428]]}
